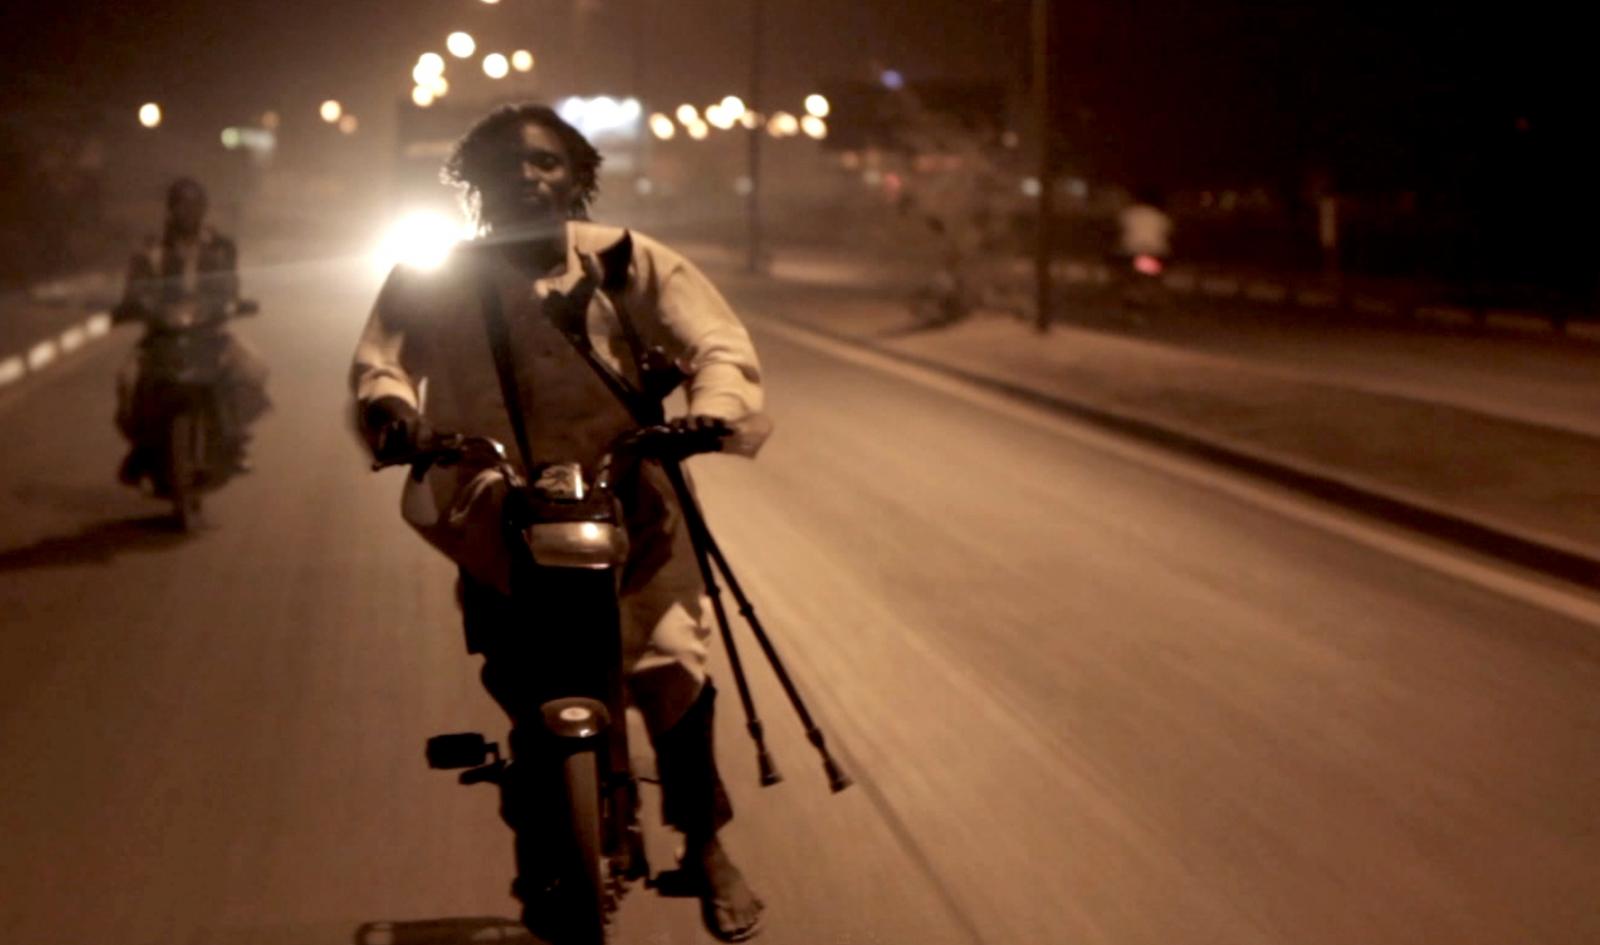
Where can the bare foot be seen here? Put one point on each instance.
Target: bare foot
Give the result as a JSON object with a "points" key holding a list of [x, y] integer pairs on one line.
{"points": [[731, 909]]}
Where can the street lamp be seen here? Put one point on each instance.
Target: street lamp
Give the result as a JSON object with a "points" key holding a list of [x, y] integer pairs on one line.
{"points": [[817, 105], [661, 126], [783, 124], [461, 45], [150, 114], [687, 115], [422, 96], [495, 66], [330, 111], [522, 60], [814, 126]]}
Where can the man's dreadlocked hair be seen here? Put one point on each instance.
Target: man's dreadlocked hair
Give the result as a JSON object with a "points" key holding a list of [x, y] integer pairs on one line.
{"points": [[472, 160]]}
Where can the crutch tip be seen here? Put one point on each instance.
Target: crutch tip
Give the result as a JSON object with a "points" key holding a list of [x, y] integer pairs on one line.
{"points": [[837, 780], [769, 771]]}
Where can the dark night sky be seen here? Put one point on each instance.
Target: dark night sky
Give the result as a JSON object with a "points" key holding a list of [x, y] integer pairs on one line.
{"points": [[1185, 90], [241, 56]]}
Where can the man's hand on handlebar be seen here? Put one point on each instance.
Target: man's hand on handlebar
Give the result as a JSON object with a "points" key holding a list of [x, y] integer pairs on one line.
{"points": [[682, 437], [394, 430]]}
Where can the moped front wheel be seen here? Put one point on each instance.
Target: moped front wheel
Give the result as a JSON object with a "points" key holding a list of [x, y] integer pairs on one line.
{"points": [[185, 458], [585, 897]]}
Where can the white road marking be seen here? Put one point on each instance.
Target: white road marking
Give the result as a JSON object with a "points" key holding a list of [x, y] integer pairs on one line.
{"points": [[41, 354], [1502, 579], [46, 352]]}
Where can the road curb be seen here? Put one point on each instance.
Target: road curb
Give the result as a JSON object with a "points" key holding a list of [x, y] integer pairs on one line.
{"points": [[1546, 555]]}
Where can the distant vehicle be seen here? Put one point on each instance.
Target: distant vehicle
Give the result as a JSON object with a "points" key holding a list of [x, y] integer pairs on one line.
{"points": [[180, 368]]}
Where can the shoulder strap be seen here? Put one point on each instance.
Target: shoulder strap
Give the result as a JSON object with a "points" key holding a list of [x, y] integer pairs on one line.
{"points": [[614, 263], [494, 321], [658, 377]]}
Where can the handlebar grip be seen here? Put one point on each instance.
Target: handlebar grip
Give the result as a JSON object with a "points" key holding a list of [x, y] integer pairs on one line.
{"points": [[679, 439]]}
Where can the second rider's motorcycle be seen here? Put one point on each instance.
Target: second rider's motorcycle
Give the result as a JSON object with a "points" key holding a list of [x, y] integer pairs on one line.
{"points": [[176, 417]]}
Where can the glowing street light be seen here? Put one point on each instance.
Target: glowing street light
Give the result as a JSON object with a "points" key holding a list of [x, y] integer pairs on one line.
{"points": [[439, 86], [661, 126], [491, 2], [750, 120], [522, 60], [814, 126], [733, 107], [698, 131], [348, 124], [330, 111], [495, 66], [150, 114], [782, 125], [720, 117], [817, 105], [422, 95], [687, 115], [461, 45]]}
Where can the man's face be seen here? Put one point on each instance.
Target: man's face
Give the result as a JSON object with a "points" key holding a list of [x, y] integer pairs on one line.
{"points": [[187, 209], [532, 182]]}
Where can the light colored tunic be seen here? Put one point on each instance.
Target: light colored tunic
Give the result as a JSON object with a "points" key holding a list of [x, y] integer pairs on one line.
{"points": [[426, 334]]}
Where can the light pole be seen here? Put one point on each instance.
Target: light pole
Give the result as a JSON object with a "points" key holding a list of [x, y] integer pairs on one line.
{"points": [[641, 147], [1041, 101], [753, 261]]}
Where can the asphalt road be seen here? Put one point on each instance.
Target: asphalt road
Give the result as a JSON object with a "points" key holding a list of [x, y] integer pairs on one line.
{"points": [[1088, 697]]}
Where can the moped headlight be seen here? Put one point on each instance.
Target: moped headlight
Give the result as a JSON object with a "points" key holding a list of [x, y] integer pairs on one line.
{"points": [[592, 545]]}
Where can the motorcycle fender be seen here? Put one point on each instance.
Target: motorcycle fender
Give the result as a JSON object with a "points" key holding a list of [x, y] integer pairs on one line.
{"points": [[576, 718]]}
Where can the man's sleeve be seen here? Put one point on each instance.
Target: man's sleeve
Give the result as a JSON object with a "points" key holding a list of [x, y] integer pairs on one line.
{"points": [[712, 347], [379, 367]]}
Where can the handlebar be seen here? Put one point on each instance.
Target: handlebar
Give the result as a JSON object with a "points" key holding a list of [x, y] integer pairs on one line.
{"points": [[192, 315], [662, 441], [446, 449]]}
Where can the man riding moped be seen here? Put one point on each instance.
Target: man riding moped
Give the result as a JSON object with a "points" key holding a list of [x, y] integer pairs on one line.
{"points": [[570, 293], [184, 286]]}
